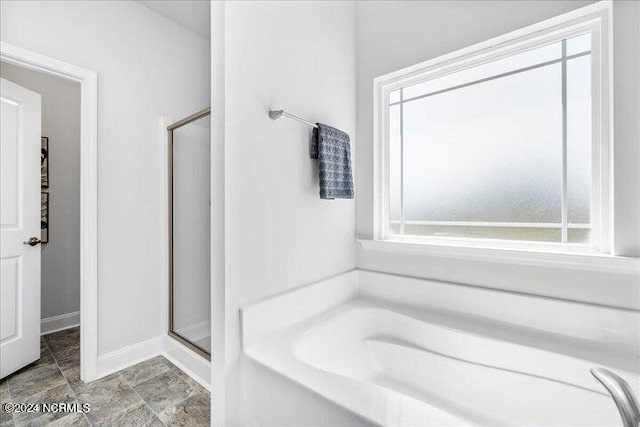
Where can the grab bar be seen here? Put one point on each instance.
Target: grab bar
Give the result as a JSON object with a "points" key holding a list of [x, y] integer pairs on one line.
{"points": [[622, 395]]}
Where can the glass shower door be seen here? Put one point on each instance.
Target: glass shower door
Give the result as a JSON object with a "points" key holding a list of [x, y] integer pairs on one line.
{"points": [[190, 226]]}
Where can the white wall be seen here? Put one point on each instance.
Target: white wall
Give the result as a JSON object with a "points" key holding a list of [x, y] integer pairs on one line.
{"points": [[394, 35], [147, 67], [218, 207], [626, 132], [299, 56], [60, 257]]}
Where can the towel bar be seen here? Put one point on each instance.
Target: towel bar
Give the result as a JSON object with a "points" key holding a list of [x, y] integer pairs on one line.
{"points": [[276, 114]]}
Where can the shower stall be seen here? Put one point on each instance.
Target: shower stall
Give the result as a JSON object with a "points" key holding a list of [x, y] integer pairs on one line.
{"points": [[189, 145]]}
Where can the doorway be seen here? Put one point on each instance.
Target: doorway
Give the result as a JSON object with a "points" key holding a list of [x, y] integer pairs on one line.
{"points": [[86, 333], [58, 241]]}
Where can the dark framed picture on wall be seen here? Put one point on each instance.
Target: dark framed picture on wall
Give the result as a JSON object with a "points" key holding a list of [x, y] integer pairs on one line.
{"points": [[44, 162], [44, 217]]}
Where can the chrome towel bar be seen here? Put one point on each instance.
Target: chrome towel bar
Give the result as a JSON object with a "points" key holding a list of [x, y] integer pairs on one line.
{"points": [[276, 114]]}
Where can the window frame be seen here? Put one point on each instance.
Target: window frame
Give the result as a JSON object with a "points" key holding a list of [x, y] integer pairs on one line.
{"points": [[594, 19]]}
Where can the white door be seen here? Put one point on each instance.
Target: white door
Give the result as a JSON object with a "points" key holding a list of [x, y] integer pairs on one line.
{"points": [[19, 222]]}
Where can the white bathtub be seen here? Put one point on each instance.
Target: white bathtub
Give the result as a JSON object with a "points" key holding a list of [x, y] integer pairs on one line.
{"points": [[413, 360]]}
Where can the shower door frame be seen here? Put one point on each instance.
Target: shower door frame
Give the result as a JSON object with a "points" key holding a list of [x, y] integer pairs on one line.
{"points": [[170, 331]]}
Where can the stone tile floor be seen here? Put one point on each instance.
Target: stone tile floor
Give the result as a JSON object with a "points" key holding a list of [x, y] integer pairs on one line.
{"points": [[151, 393]]}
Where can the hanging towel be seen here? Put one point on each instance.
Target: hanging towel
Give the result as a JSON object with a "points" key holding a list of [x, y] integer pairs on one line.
{"points": [[332, 149]]}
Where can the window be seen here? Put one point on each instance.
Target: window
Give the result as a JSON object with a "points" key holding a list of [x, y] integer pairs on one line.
{"points": [[503, 145]]}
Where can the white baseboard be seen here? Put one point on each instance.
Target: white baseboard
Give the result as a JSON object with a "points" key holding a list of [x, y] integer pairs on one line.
{"points": [[128, 356], [185, 359], [190, 362], [59, 323]]}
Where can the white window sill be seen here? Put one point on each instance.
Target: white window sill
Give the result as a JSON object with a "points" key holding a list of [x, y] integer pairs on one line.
{"points": [[575, 260]]}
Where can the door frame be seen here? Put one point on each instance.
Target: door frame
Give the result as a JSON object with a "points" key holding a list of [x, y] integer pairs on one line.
{"points": [[88, 192]]}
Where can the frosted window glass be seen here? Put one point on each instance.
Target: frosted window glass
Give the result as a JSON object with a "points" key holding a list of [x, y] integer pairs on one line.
{"points": [[510, 63], [485, 159], [579, 148], [394, 167], [394, 96], [579, 44], [490, 152]]}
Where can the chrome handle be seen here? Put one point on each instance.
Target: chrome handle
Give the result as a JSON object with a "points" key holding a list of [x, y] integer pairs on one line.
{"points": [[622, 395], [32, 241]]}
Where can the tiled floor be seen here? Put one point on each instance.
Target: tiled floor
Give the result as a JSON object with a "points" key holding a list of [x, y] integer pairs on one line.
{"points": [[151, 393]]}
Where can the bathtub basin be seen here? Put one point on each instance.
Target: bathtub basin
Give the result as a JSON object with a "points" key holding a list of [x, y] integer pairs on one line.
{"points": [[397, 365]]}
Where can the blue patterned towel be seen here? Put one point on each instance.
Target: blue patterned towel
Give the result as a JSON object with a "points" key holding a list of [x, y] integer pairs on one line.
{"points": [[332, 149]]}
